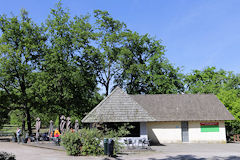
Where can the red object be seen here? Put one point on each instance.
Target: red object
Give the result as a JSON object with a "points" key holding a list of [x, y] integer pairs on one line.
{"points": [[210, 124]]}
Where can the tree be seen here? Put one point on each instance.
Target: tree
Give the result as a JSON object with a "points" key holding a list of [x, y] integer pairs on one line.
{"points": [[20, 44], [4, 110], [109, 34], [67, 83], [207, 81], [225, 85], [231, 100], [145, 69]]}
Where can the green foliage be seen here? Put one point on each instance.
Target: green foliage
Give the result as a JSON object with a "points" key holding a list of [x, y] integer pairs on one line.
{"points": [[4, 110], [21, 42], [109, 41], [91, 139], [67, 83], [207, 81], [144, 67], [83, 142], [122, 130], [225, 85], [231, 99], [4, 116], [72, 143], [54, 69], [16, 117]]}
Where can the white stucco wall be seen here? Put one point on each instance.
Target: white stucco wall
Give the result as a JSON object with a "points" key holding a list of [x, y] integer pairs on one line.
{"points": [[171, 132], [196, 136], [164, 132]]}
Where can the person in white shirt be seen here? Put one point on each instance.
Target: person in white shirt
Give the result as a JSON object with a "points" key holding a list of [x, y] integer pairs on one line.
{"points": [[18, 133]]}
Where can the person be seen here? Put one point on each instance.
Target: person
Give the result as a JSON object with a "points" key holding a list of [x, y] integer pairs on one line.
{"points": [[56, 137], [18, 133], [56, 133]]}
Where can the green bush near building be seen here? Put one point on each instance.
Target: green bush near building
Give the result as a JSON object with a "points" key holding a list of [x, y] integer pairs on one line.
{"points": [[90, 141], [72, 143]]}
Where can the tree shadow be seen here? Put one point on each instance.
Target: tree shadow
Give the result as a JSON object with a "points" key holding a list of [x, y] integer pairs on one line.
{"points": [[228, 158], [115, 157], [192, 157], [179, 157]]}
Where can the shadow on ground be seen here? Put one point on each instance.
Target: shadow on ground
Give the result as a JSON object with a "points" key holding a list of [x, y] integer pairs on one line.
{"points": [[192, 157], [115, 157]]}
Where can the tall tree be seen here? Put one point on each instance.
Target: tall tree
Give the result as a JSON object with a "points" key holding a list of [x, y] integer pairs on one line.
{"points": [[20, 44], [144, 67], [109, 34], [68, 83]]}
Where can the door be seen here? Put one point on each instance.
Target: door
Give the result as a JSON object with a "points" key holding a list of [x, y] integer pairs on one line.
{"points": [[185, 137]]}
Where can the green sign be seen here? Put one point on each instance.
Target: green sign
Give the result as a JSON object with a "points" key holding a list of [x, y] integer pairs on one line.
{"points": [[210, 127]]}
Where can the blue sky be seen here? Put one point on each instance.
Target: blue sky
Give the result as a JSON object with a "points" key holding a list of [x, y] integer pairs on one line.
{"points": [[196, 33]]}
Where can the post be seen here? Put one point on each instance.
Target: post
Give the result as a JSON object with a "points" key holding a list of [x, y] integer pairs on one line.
{"points": [[76, 126], [68, 124], [143, 130], [62, 124], [50, 129], [38, 125]]}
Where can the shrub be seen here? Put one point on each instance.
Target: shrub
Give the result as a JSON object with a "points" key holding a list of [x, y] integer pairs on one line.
{"points": [[7, 156], [91, 140], [122, 131], [83, 142], [72, 143]]}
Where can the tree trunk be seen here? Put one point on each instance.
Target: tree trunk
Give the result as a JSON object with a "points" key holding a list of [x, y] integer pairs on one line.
{"points": [[28, 121], [23, 125], [107, 88], [59, 121]]}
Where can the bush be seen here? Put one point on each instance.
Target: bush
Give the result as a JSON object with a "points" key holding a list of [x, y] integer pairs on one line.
{"points": [[91, 140], [7, 156], [83, 142], [122, 131], [72, 143]]}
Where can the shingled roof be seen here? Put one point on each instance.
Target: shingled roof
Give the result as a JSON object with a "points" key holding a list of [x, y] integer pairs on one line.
{"points": [[121, 107], [118, 107]]}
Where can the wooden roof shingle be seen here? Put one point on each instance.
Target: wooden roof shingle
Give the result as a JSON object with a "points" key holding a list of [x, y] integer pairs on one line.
{"points": [[118, 107], [183, 107], [121, 107]]}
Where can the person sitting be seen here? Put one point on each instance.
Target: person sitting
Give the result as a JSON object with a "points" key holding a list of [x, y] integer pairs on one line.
{"points": [[56, 133], [56, 137]]}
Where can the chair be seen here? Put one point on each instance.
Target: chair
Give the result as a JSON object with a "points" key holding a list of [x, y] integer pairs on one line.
{"points": [[140, 141], [130, 142], [126, 142], [146, 142]]}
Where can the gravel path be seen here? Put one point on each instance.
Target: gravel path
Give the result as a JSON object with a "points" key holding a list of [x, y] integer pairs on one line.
{"points": [[168, 152]]}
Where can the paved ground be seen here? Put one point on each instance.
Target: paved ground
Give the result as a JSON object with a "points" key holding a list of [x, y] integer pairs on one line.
{"points": [[168, 152]]}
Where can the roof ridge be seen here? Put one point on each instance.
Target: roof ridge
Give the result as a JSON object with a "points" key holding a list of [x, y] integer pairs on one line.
{"points": [[95, 108]]}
